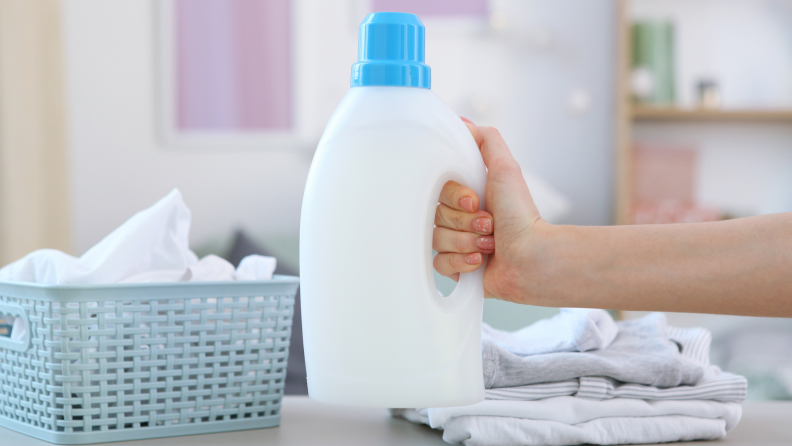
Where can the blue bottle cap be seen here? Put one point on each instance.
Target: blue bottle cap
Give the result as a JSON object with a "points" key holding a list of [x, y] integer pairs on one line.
{"points": [[391, 52]]}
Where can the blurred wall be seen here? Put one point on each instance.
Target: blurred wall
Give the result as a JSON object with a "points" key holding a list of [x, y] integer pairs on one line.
{"points": [[544, 70], [120, 165], [556, 104]]}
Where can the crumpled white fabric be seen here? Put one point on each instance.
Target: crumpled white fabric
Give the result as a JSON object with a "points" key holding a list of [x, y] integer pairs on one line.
{"points": [[255, 267], [152, 240], [152, 246], [572, 330]]}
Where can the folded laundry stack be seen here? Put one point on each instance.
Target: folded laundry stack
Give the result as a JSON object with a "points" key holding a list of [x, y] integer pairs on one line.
{"points": [[581, 377]]}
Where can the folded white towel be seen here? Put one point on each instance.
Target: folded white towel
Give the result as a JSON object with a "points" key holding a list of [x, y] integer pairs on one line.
{"points": [[503, 431], [569, 420], [571, 410]]}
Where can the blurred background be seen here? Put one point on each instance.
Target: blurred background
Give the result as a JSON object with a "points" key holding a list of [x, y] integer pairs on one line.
{"points": [[620, 112]]}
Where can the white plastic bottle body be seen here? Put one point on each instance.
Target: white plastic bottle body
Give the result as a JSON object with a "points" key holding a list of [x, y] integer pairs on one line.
{"points": [[376, 332]]}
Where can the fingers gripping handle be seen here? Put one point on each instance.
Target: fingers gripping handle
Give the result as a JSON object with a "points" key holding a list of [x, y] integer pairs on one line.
{"points": [[470, 285]]}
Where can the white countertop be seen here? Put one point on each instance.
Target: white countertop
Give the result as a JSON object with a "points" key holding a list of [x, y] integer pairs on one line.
{"points": [[306, 422]]}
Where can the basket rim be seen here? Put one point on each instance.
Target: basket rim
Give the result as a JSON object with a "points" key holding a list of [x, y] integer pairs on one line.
{"points": [[150, 290], [276, 278]]}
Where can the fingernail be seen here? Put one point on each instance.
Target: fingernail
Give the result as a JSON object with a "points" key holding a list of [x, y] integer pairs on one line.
{"points": [[466, 203], [473, 259], [482, 225], [486, 242]]}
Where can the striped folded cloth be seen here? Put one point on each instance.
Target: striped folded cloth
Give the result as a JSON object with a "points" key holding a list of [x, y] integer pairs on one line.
{"points": [[716, 386]]}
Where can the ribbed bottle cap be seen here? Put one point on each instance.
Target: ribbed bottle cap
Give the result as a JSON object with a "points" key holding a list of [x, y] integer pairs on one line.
{"points": [[391, 51]]}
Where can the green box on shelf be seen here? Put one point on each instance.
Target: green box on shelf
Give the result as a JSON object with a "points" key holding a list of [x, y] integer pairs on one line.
{"points": [[653, 51]]}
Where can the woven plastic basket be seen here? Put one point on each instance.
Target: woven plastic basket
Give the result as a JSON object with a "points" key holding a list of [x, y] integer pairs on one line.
{"points": [[120, 362]]}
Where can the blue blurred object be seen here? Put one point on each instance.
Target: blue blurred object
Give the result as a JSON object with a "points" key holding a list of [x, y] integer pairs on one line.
{"points": [[391, 52]]}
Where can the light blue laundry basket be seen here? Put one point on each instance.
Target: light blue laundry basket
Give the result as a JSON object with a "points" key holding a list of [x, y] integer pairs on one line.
{"points": [[104, 363]]}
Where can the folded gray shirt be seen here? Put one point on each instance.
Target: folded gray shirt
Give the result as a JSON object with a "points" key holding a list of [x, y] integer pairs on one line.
{"points": [[716, 385], [643, 352]]}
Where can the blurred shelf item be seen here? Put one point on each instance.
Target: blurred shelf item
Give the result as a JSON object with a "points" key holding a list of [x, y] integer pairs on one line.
{"points": [[632, 83], [645, 113]]}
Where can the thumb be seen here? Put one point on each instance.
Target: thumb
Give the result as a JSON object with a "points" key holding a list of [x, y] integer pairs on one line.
{"points": [[507, 196], [493, 148]]}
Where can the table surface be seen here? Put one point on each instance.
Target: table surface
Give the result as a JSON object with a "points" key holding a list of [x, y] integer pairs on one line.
{"points": [[306, 422]]}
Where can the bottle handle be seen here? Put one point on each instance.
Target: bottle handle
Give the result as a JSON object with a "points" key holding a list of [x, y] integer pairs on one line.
{"points": [[470, 285]]}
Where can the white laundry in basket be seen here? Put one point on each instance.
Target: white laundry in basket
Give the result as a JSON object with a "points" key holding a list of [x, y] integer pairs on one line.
{"points": [[152, 246]]}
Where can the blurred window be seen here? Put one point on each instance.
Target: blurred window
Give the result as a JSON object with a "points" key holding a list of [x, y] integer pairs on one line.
{"points": [[232, 64]]}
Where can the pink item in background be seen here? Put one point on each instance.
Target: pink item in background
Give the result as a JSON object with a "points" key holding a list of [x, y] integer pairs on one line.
{"points": [[656, 212], [233, 65], [664, 173], [664, 186], [424, 8]]}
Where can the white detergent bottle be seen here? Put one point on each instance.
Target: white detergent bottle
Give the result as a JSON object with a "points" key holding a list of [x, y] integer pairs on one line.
{"points": [[376, 331]]}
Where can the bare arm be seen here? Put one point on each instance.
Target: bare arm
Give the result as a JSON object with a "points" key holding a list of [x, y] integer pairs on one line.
{"points": [[741, 266]]}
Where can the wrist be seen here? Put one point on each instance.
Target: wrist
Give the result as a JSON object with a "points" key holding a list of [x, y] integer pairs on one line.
{"points": [[548, 259], [534, 265]]}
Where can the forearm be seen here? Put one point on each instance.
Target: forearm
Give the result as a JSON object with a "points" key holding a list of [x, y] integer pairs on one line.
{"points": [[741, 266]]}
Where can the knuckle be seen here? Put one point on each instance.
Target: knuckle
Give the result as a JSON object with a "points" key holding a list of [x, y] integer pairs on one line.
{"points": [[440, 217], [455, 262], [490, 131], [459, 221], [439, 263], [509, 165], [448, 190], [464, 191], [460, 242]]}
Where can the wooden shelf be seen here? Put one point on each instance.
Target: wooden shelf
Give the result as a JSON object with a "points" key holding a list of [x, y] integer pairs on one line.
{"points": [[628, 115], [677, 114]]}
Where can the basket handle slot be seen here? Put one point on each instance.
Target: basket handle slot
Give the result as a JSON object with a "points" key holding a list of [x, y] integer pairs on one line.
{"points": [[17, 327]]}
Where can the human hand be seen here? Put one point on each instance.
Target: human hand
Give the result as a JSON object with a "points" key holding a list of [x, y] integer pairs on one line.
{"points": [[464, 233]]}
